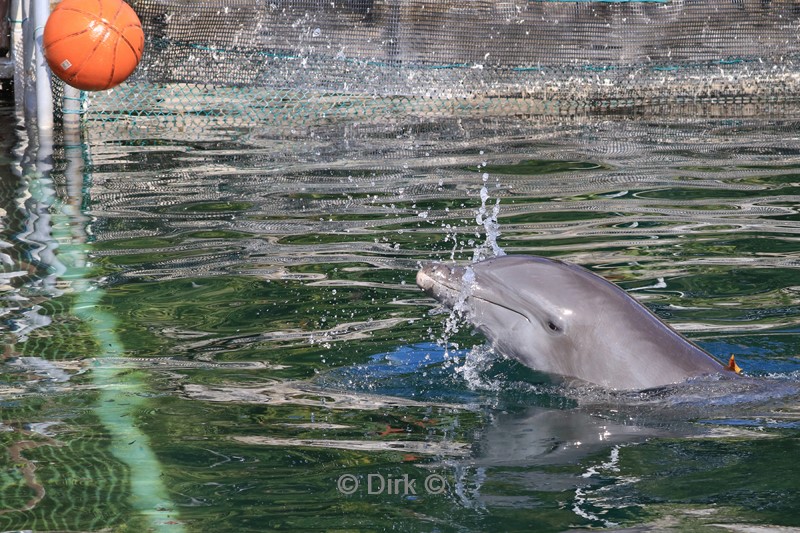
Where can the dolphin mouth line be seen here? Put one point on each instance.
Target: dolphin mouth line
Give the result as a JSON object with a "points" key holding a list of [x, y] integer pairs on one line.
{"points": [[498, 304], [458, 290]]}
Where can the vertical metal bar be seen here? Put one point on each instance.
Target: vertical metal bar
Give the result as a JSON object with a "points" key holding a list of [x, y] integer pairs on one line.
{"points": [[28, 92], [44, 89], [71, 107], [16, 53]]}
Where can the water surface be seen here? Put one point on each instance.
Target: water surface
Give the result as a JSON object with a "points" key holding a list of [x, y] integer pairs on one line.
{"points": [[221, 331]]}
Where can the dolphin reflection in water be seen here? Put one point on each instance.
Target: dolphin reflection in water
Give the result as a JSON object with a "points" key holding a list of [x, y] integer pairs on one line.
{"points": [[564, 320]]}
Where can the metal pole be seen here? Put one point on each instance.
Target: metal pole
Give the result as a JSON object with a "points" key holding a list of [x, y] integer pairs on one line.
{"points": [[44, 90], [28, 72], [72, 107], [16, 53]]}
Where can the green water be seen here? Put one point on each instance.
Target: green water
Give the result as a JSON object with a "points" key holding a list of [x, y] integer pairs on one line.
{"points": [[225, 334]]}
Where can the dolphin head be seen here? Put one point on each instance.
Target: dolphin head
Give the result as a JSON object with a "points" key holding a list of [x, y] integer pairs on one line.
{"points": [[526, 306], [562, 319], [535, 288]]}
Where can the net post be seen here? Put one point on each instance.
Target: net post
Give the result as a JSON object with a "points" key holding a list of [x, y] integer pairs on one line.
{"points": [[72, 107], [16, 53], [27, 66], [44, 90]]}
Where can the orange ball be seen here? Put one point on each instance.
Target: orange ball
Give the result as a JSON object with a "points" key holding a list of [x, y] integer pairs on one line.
{"points": [[93, 45]]}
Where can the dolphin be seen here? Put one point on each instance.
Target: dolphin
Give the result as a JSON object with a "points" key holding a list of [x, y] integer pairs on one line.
{"points": [[562, 319]]}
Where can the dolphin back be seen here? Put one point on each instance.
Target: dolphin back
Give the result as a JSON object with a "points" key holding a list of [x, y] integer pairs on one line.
{"points": [[563, 319]]}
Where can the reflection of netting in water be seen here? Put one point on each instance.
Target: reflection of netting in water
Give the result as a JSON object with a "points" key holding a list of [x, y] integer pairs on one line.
{"points": [[65, 483], [306, 61]]}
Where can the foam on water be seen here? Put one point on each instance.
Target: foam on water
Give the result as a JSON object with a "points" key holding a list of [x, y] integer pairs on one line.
{"points": [[477, 361]]}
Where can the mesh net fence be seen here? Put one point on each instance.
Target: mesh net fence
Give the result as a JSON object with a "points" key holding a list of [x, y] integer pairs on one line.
{"points": [[239, 62]]}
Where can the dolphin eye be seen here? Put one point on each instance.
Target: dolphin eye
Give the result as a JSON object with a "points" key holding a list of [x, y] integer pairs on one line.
{"points": [[552, 326]]}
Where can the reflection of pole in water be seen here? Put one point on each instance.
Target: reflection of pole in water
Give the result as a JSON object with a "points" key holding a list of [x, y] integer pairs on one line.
{"points": [[43, 196], [128, 443], [36, 193], [73, 251], [35, 256], [53, 239], [53, 236]]}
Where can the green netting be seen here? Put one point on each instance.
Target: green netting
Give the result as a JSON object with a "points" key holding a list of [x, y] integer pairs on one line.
{"points": [[306, 61]]}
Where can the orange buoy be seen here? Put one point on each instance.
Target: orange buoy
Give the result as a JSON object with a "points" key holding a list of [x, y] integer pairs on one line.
{"points": [[93, 45]]}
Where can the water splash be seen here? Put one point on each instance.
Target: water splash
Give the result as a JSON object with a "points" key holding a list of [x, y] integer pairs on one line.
{"points": [[474, 370], [489, 248], [487, 218], [459, 315]]}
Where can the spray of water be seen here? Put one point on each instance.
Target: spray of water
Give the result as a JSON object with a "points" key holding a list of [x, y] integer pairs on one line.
{"points": [[458, 315], [474, 369], [477, 359], [489, 248]]}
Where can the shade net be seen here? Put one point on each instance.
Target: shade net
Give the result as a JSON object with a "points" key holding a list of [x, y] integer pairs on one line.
{"points": [[300, 62]]}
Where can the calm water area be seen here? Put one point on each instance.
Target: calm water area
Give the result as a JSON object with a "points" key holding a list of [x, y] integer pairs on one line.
{"points": [[220, 330]]}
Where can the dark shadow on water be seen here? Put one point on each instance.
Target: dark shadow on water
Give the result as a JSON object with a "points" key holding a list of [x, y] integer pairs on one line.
{"points": [[606, 455], [532, 419], [428, 372]]}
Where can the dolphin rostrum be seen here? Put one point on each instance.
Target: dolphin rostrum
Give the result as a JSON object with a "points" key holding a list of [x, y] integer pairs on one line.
{"points": [[562, 319]]}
